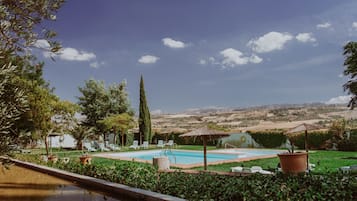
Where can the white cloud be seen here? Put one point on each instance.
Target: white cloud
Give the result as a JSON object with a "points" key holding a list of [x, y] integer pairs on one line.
{"points": [[169, 42], [71, 54], [255, 59], [354, 25], [305, 37], [43, 44], [212, 59], [233, 57], [202, 62], [148, 59], [323, 25], [96, 64], [270, 42], [339, 100]]}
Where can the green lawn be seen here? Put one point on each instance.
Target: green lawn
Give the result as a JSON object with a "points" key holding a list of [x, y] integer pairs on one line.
{"points": [[325, 161]]}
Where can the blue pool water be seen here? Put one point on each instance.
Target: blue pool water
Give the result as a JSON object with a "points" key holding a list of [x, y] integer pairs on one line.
{"points": [[192, 157]]}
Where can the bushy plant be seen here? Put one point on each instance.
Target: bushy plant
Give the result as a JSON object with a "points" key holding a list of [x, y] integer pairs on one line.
{"points": [[315, 140], [206, 186], [257, 187], [183, 140], [347, 145], [269, 139]]}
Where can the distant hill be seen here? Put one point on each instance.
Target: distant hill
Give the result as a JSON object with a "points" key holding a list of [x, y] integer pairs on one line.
{"points": [[279, 116]]}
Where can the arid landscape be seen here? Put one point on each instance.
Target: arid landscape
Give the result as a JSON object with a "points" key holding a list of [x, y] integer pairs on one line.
{"points": [[254, 118]]}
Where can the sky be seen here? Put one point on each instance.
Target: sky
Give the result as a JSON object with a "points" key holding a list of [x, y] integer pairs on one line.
{"points": [[204, 53]]}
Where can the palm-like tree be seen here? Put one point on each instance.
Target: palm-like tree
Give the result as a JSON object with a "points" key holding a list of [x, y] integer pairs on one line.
{"points": [[80, 133], [120, 122], [350, 53]]}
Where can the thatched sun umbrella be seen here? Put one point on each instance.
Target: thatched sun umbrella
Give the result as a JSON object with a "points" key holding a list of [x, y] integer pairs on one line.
{"points": [[302, 128], [205, 134]]}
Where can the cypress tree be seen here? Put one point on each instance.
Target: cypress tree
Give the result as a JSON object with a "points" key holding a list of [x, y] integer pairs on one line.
{"points": [[144, 114]]}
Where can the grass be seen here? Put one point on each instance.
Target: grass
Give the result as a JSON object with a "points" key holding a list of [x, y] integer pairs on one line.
{"points": [[325, 161]]}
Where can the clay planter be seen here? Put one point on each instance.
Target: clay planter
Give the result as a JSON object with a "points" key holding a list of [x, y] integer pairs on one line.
{"points": [[85, 159], [52, 158], [293, 163]]}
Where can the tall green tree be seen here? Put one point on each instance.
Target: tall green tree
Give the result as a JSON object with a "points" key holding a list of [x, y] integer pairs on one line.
{"points": [[12, 105], [350, 64], [20, 28], [98, 102], [144, 114]]}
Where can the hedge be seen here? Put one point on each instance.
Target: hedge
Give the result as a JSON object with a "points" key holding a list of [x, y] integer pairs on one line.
{"points": [[347, 145], [205, 186], [269, 139], [315, 140], [182, 140]]}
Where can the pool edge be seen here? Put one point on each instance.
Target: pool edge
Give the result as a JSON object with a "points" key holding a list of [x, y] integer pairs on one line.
{"points": [[105, 186]]}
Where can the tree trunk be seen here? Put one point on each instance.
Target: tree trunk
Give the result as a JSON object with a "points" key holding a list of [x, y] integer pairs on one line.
{"points": [[205, 152], [80, 145], [46, 144], [115, 138], [122, 138]]}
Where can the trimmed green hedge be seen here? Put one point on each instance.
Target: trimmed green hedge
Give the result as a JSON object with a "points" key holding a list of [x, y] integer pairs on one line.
{"points": [[269, 139], [183, 140], [206, 186], [315, 140], [347, 145]]}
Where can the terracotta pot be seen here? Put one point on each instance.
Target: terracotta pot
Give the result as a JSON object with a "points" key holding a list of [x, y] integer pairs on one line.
{"points": [[85, 160], [293, 163], [52, 158]]}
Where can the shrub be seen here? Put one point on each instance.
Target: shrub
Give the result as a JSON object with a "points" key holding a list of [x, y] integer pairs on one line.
{"points": [[133, 174], [269, 139], [257, 187], [347, 145], [315, 140], [183, 140], [205, 186]]}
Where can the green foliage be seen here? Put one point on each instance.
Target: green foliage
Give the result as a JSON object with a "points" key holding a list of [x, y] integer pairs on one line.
{"points": [[98, 102], [20, 23], [80, 133], [120, 122], [93, 102], [337, 128], [144, 114], [206, 186], [315, 140], [269, 139], [183, 140], [13, 103], [347, 145], [350, 53], [129, 139]]}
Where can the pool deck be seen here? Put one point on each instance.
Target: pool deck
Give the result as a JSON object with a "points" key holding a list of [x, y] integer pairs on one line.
{"points": [[188, 166]]}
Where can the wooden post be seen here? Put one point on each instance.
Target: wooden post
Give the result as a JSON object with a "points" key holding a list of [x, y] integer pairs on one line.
{"points": [[122, 138], [205, 152], [307, 151]]}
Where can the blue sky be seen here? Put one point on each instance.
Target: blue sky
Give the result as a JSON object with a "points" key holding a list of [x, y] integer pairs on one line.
{"points": [[205, 53]]}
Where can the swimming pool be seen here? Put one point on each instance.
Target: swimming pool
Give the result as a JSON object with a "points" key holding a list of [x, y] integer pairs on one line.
{"points": [[184, 158]]}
